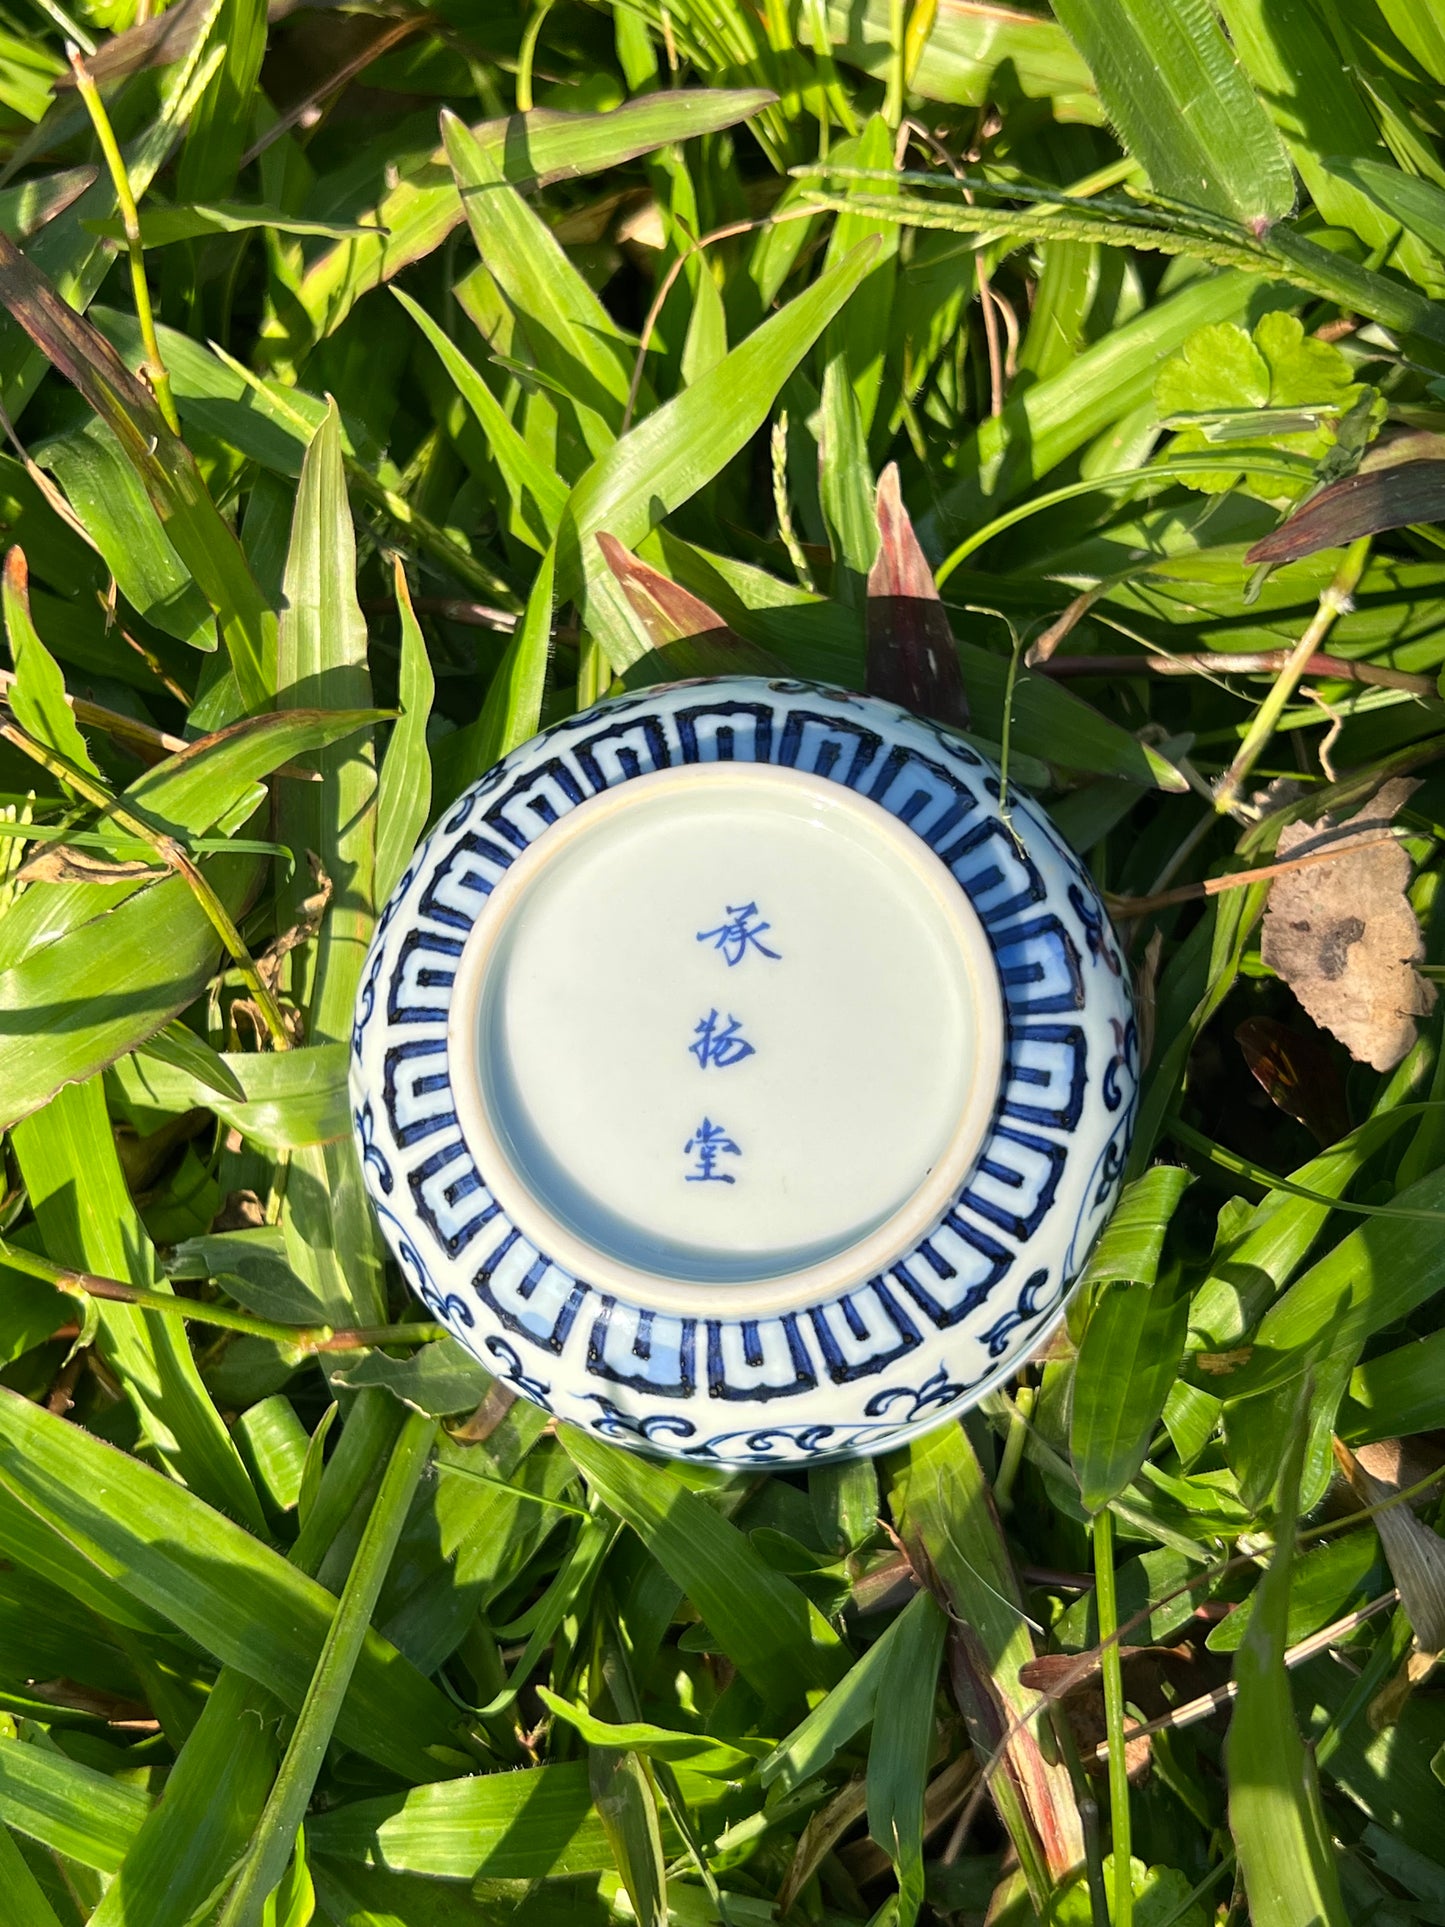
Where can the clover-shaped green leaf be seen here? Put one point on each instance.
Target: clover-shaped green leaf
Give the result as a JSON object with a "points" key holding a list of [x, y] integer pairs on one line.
{"points": [[1277, 389]]}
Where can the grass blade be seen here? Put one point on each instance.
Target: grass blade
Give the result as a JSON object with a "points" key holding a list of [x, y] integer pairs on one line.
{"points": [[403, 787], [86, 1218], [1279, 1827], [903, 1736], [223, 1588], [1172, 86], [775, 1637], [272, 1843]]}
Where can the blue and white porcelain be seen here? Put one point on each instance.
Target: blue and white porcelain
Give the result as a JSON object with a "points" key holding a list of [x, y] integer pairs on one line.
{"points": [[736, 1074]]}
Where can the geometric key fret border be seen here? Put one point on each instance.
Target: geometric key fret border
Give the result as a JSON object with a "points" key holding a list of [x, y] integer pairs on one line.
{"points": [[660, 1376]]}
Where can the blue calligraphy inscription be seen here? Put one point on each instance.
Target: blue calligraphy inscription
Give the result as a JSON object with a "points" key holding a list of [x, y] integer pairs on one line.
{"points": [[733, 937], [720, 1044], [710, 1141]]}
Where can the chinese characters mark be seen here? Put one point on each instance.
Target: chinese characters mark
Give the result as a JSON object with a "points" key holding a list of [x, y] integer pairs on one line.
{"points": [[710, 1141], [720, 1044], [733, 937]]}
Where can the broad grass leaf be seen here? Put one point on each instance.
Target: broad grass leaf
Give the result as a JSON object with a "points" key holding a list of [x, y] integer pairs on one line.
{"points": [[773, 1634], [509, 1826], [73, 1007], [274, 1444], [321, 658], [167, 469], [1279, 1827], [33, 204], [217, 135], [970, 56], [37, 695], [1127, 1362], [403, 784], [484, 1518], [417, 214], [699, 1750], [217, 1789], [214, 1792], [1130, 1243], [626, 1803], [512, 711], [667, 457], [163, 226], [223, 1588], [1171, 85], [278, 1839], [860, 334], [24, 1897], [943, 1511], [1397, 1393], [845, 483], [288, 1099], [1374, 1277], [1319, 108], [1395, 496], [355, 1896], [1418, 205], [1325, 1582], [839, 1715], [903, 1735], [72, 1809], [1388, 1773], [538, 494], [574, 339], [1053, 419], [113, 507], [321, 663], [1251, 1267], [1152, 1583], [184, 1051], [87, 1221], [436, 1379]]}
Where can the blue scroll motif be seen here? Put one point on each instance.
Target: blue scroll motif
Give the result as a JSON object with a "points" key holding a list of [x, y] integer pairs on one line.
{"points": [[892, 1354]]}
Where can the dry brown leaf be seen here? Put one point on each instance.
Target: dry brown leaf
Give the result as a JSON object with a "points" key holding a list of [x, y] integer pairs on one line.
{"points": [[313, 909], [63, 863], [690, 637], [912, 657], [1414, 1554], [1343, 936]]}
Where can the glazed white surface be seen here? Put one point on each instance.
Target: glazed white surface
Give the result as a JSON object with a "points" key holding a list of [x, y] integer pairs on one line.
{"points": [[729, 1025], [712, 1370]]}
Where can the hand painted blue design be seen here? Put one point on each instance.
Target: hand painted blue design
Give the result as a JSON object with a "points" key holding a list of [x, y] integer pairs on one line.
{"points": [[718, 1044], [738, 934], [371, 1152], [506, 1361], [872, 1358], [710, 1141]]}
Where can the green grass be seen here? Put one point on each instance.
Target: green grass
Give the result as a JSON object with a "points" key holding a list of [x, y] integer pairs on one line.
{"points": [[323, 373]]}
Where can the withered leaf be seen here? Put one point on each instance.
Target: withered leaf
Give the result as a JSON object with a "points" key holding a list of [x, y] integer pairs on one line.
{"points": [[1342, 934], [1415, 1554], [63, 863], [313, 909], [1300, 1075], [1394, 497], [912, 656], [689, 637]]}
